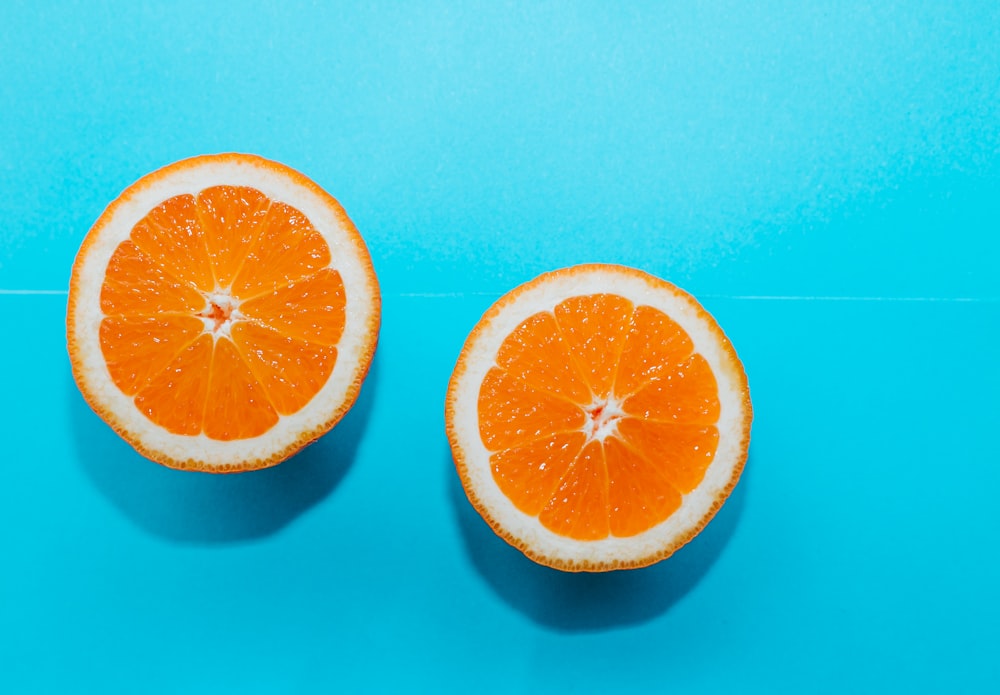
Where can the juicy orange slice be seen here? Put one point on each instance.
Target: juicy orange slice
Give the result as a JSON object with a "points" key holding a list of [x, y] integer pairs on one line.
{"points": [[598, 418], [223, 312]]}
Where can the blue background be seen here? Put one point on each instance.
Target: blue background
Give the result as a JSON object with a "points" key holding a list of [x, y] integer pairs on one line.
{"points": [[823, 176]]}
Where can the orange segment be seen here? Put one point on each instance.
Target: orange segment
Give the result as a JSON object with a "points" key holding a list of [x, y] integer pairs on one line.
{"points": [[137, 348], [237, 407], [681, 453], [311, 309], [183, 243], [529, 474], [639, 351], [175, 398], [594, 328], [134, 284], [173, 238], [291, 371], [655, 343], [288, 249], [579, 506], [536, 352], [513, 414], [638, 496], [685, 393], [232, 217]]}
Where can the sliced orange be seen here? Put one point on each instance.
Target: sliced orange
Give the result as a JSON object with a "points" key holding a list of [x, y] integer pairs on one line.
{"points": [[598, 418], [223, 312]]}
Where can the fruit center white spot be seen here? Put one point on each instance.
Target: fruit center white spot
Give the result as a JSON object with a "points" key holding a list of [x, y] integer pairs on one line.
{"points": [[219, 313], [602, 418]]}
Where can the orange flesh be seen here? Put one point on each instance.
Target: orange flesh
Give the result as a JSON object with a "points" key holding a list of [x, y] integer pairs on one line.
{"points": [[221, 313], [600, 416]]}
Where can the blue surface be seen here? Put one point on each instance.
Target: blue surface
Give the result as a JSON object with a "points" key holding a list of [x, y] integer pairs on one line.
{"points": [[823, 176]]}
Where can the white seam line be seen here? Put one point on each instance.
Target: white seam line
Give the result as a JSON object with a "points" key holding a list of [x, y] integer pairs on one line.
{"points": [[834, 298], [446, 295], [738, 297]]}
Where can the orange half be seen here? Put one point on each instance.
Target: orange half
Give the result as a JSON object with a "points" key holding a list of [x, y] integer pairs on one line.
{"points": [[223, 313], [598, 417]]}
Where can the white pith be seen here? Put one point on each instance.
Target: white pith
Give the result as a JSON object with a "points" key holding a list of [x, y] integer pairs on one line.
{"points": [[526, 530], [224, 300], [349, 257], [602, 418]]}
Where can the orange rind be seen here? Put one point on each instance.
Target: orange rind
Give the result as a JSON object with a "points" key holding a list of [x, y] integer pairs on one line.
{"points": [[223, 312], [598, 418]]}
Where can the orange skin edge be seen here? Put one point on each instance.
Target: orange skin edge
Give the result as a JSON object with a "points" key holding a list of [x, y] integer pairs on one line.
{"points": [[305, 438], [459, 455]]}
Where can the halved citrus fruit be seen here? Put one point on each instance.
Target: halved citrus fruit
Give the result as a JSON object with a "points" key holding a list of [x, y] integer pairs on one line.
{"points": [[598, 418], [223, 312]]}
